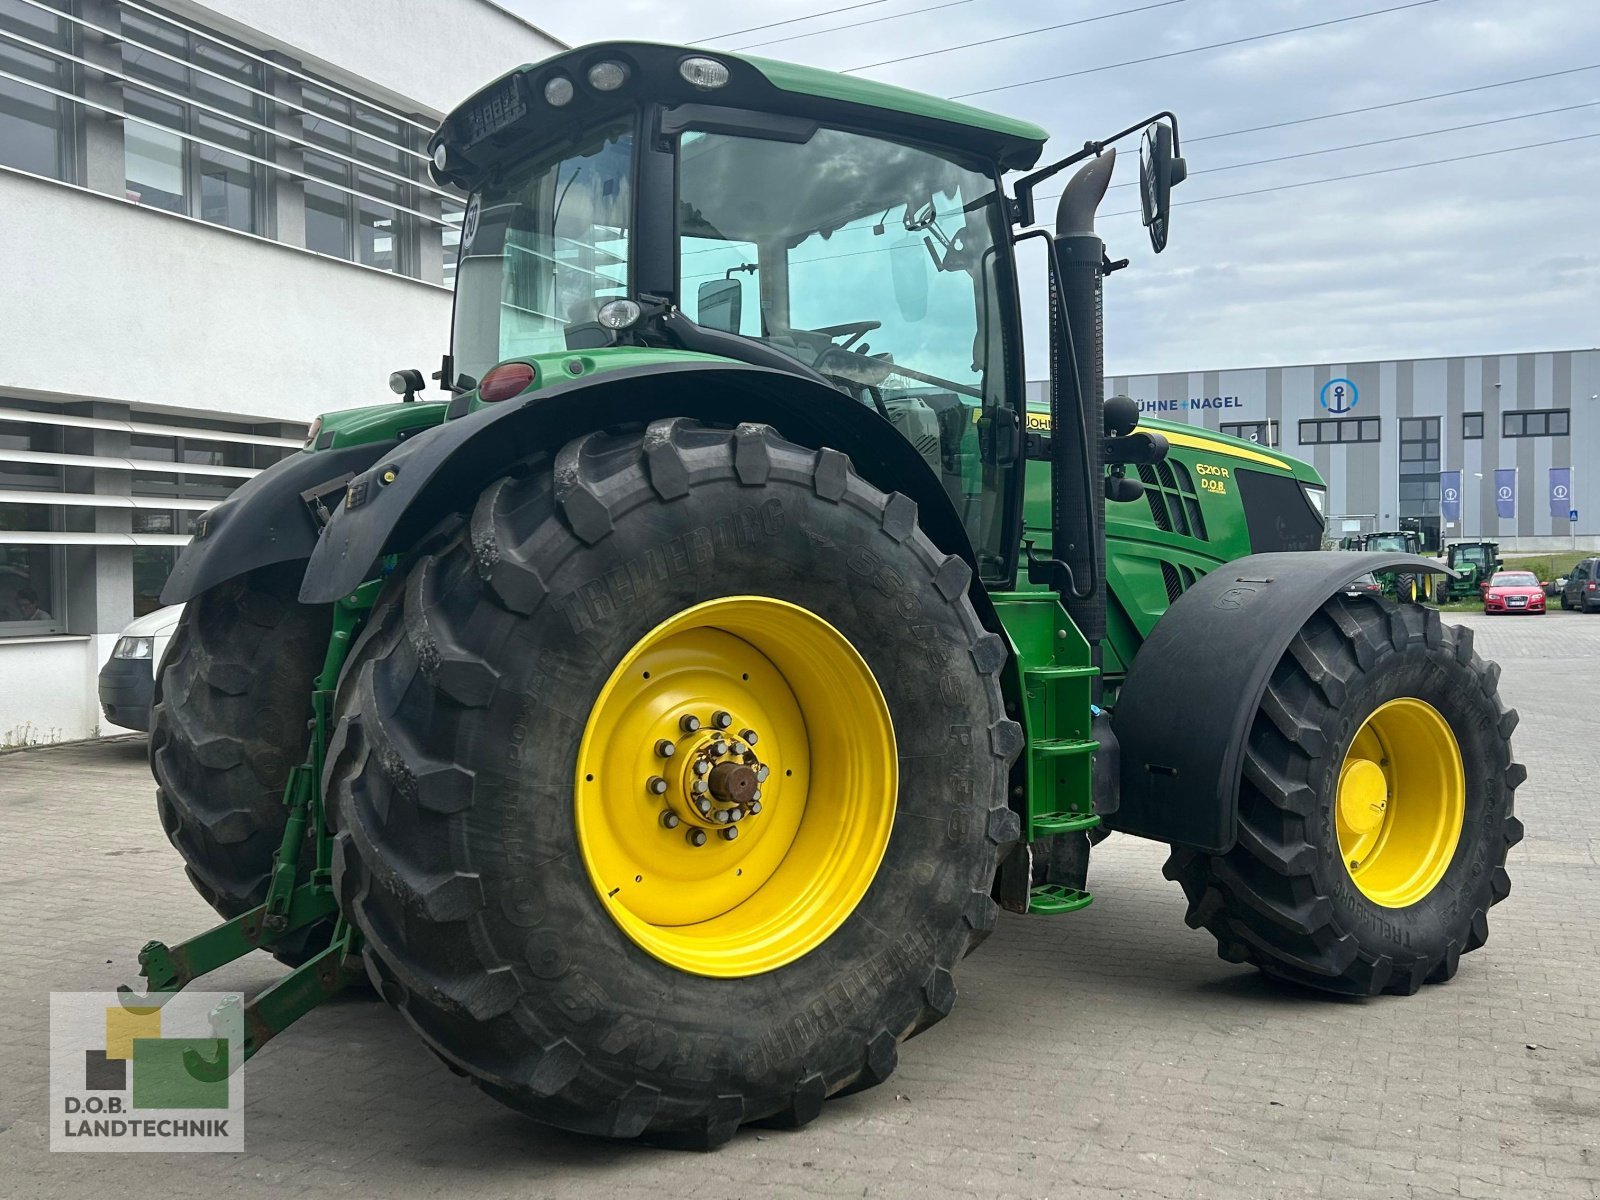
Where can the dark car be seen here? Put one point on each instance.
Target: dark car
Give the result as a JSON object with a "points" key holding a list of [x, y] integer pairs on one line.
{"points": [[1582, 591], [1363, 585]]}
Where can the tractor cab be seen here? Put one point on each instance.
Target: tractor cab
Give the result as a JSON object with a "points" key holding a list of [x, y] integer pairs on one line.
{"points": [[637, 196]]}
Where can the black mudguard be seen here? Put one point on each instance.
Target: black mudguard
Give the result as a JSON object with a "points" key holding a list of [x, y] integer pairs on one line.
{"points": [[400, 497], [1185, 710], [264, 522]]}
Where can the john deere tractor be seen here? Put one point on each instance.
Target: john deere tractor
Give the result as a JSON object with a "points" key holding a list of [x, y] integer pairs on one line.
{"points": [[658, 719], [1405, 584]]}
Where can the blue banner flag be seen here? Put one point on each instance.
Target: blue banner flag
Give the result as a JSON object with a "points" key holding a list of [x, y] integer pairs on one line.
{"points": [[1505, 493], [1561, 502], [1450, 495]]}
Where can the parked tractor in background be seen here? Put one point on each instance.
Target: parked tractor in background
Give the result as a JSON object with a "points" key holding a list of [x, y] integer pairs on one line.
{"points": [[1472, 563], [1409, 586], [657, 720]]}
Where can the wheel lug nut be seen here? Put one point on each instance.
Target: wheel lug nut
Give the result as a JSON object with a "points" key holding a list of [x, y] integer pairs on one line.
{"points": [[657, 785], [749, 735], [722, 719], [703, 805], [755, 806], [669, 820], [736, 815], [739, 748], [688, 722], [699, 786], [762, 772], [697, 837], [756, 795], [702, 767], [722, 816], [730, 833], [665, 749], [719, 748]]}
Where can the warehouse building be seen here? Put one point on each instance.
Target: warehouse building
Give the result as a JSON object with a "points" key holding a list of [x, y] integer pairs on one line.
{"points": [[1503, 447], [218, 222]]}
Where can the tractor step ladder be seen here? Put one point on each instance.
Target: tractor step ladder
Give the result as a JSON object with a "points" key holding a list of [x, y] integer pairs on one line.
{"points": [[1057, 682]]}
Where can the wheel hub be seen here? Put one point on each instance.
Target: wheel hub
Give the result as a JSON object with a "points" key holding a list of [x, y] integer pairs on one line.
{"points": [[1401, 802], [713, 834], [718, 784]]}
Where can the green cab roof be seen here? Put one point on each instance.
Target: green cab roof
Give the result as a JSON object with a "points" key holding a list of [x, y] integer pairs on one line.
{"points": [[511, 117]]}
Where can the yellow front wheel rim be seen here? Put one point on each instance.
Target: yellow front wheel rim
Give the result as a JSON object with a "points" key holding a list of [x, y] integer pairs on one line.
{"points": [[736, 786], [1401, 802]]}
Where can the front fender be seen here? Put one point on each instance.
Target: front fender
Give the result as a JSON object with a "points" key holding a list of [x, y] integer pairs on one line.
{"points": [[263, 522], [402, 495], [1185, 710]]}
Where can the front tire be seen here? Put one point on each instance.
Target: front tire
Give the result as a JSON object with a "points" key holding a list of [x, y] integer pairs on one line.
{"points": [[502, 800], [232, 702], [1375, 808]]}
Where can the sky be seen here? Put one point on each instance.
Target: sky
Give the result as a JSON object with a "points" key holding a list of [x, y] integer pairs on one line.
{"points": [[1494, 254]]}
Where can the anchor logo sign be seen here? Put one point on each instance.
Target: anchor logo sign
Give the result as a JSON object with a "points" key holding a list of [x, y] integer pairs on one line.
{"points": [[1339, 396], [1504, 493], [1452, 494]]}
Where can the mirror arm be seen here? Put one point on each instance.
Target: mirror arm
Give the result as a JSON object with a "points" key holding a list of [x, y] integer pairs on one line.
{"points": [[1022, 212]]}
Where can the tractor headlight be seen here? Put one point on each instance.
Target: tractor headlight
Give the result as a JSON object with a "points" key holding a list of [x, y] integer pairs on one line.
{"points": [[1318, 498], [134, 647], [705, 73], [607, 76], [558, 91]]}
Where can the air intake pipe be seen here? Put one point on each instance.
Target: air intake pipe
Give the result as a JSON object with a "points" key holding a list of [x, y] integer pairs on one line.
{"points": [[1077, 398]]}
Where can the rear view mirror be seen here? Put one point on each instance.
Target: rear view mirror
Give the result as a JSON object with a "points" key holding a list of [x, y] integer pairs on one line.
{"points": [[908, 268], [720, 304], [1160, 170]]}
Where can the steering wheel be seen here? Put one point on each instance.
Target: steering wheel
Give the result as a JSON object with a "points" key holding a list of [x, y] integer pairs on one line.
{"points": [[851, 331]]}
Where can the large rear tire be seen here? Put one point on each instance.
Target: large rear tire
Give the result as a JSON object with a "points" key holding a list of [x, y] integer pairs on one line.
{"points": [[497, 773], [232, 702], [1375, 808]]}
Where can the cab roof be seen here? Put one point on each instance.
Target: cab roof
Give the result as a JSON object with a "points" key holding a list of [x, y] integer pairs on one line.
{"points": [[511, 116]]}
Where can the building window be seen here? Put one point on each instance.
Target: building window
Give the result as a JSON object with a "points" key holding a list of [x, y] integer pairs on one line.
{"points": [[1472, 426], [1546, 422], [1341, 431], [32, 597], [182, 157], [1263, 433], [1419, 469], [366, 227], [36, 127]]}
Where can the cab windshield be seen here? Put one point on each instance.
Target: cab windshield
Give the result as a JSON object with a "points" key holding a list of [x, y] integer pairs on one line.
{"points": [[873, 263], [1387, 543]]}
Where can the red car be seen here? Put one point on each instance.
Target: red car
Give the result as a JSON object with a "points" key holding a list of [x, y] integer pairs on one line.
{"points": [[1513, 592]]}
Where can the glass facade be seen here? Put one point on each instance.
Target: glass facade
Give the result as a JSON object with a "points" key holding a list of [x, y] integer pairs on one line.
{"points": [[217, 132], [1419, 474], [36, 125]]}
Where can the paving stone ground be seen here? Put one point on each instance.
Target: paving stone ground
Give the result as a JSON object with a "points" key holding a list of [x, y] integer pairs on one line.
{"points": [[1104, 1054]]}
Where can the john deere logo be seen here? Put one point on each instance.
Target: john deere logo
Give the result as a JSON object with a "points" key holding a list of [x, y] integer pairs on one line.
{"points": [[1340, 395], [148, 1073]]}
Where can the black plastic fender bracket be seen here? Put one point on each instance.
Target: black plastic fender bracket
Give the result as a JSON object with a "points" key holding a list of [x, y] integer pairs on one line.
{"points": [[1185, 709], [267, 520]]}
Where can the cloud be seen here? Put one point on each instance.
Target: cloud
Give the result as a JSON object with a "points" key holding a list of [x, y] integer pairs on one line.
{"points": [[1488, 255]]}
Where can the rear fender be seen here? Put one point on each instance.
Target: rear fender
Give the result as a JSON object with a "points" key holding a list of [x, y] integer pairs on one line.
{"points": [[402, 495], [265, 521], [1185, 710]]}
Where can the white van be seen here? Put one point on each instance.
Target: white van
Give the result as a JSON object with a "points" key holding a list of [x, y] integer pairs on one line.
{"points": [[128, 680]]}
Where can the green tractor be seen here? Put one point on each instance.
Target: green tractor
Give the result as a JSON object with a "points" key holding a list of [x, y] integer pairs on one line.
{"points": [[657, 720], [1473, 564], [1409, 586]]}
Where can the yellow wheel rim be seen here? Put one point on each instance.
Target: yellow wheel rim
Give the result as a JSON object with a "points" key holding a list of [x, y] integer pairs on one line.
{"points": [[717, 852], [1401, 802]]}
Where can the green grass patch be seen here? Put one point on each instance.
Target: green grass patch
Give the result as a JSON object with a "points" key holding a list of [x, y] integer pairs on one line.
{"points": [[1547, 566]]}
